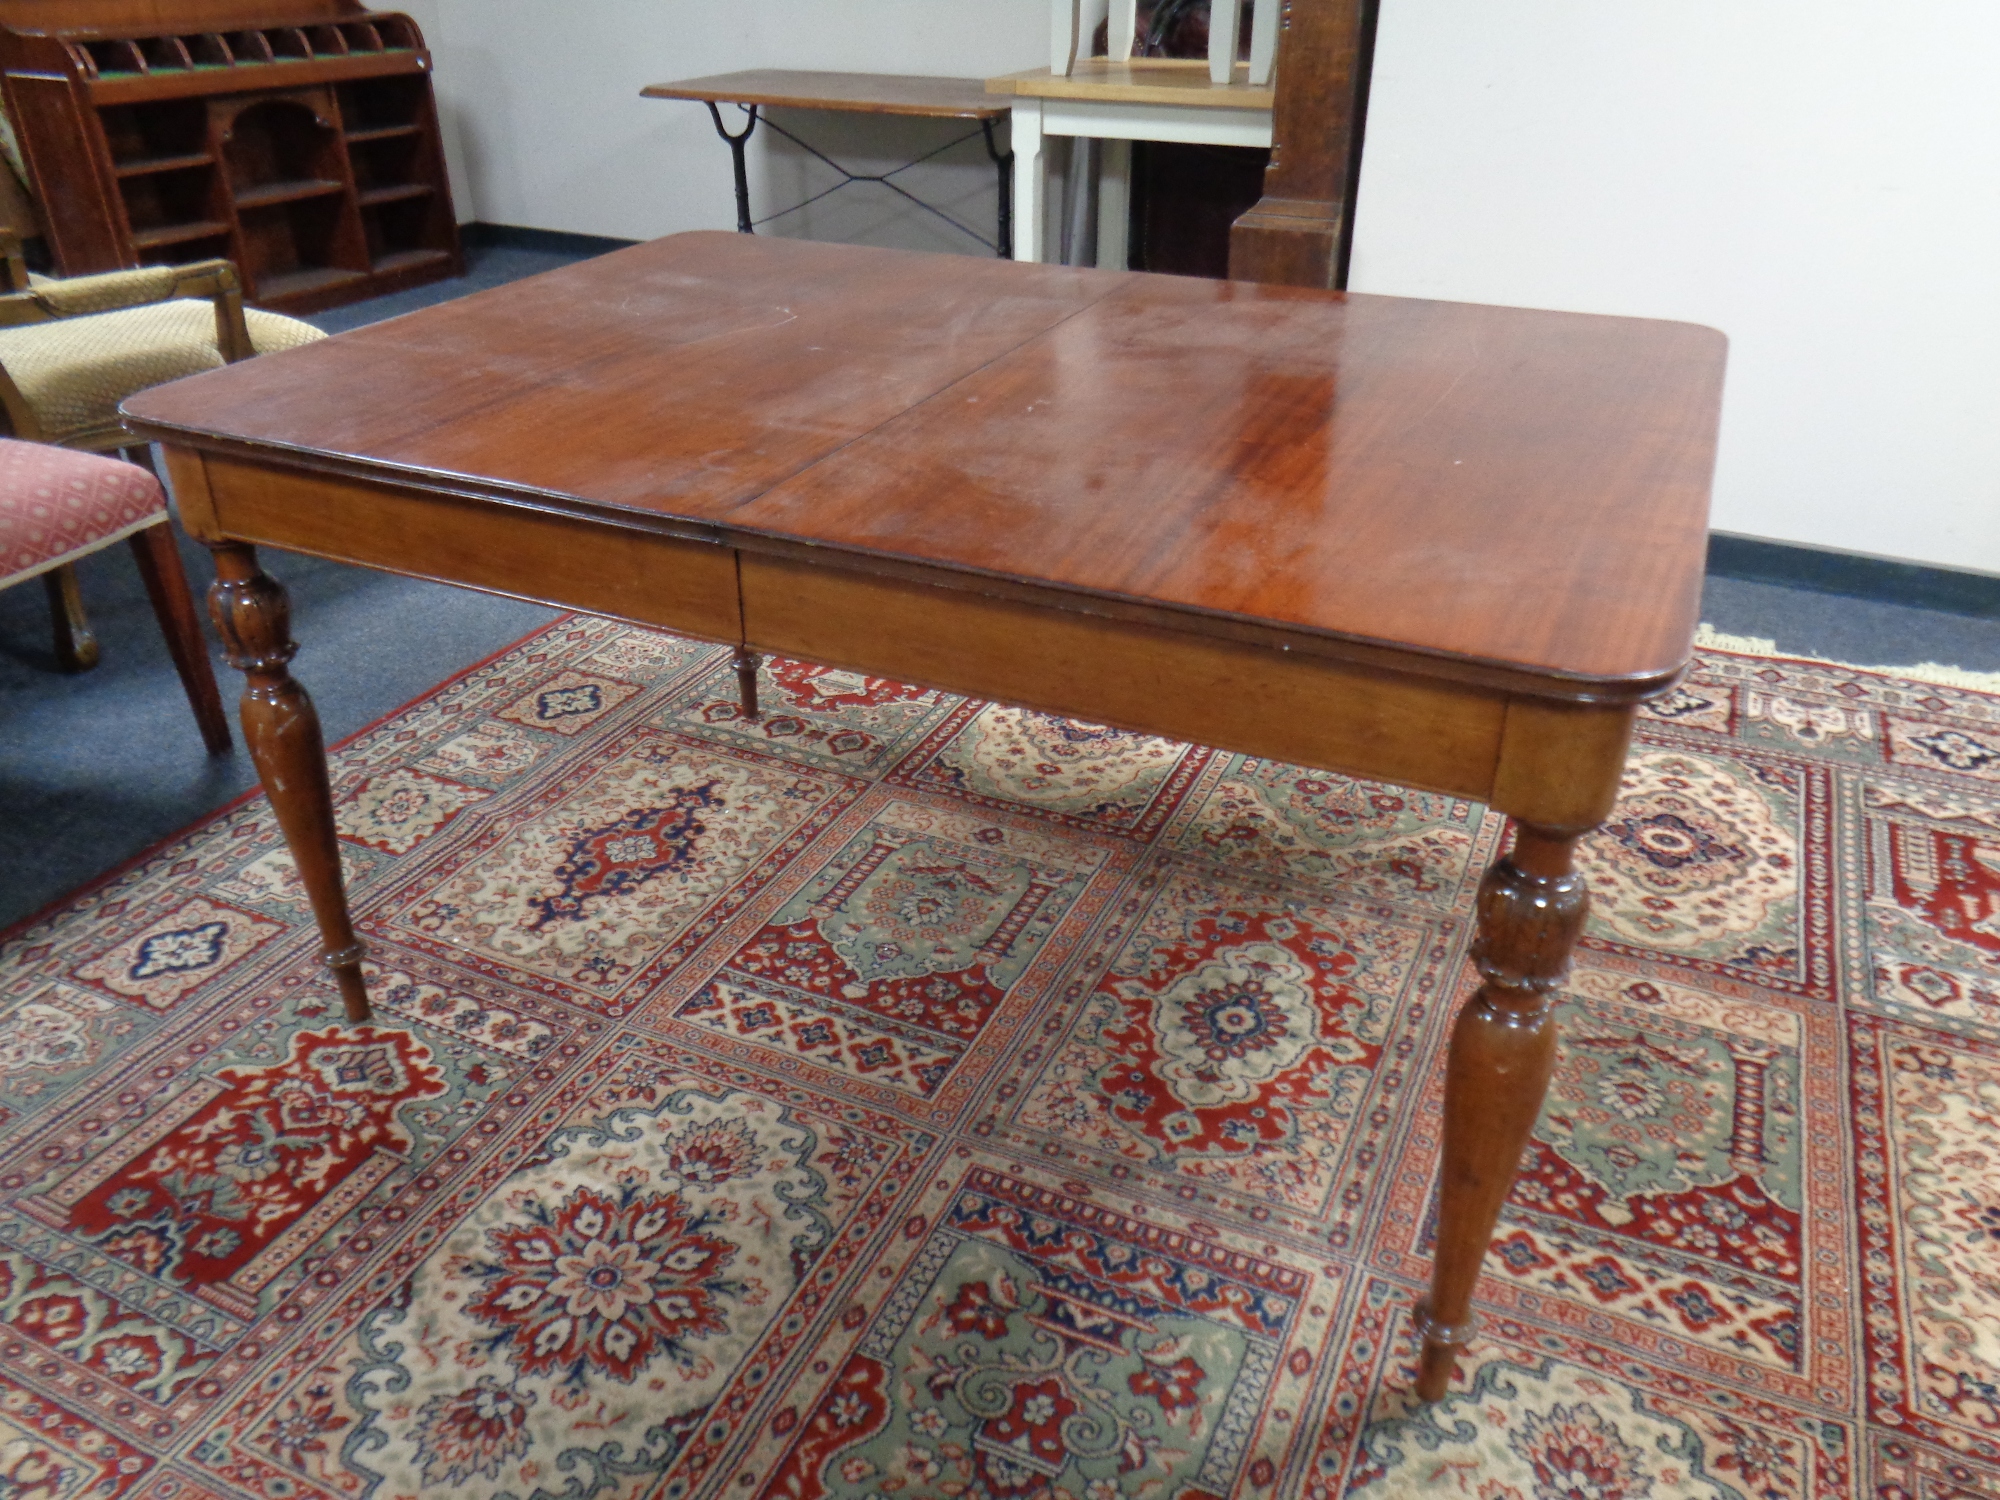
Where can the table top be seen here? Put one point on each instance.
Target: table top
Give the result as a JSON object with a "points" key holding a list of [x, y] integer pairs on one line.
{"points": [[1144, 80], [1458, 485], [855, 93]]}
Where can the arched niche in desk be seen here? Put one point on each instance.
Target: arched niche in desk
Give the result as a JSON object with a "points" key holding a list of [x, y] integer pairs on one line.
{"points": [[291, 192]]}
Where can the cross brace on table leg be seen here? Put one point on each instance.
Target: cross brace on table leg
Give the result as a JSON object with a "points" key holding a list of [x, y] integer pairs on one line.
{"points": [[744, 222]]}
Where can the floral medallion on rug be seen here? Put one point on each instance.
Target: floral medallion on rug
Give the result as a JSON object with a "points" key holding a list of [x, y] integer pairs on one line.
{"points": [[898, 1097]]}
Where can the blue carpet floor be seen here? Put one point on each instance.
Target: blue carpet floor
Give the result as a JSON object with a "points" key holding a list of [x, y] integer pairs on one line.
{"points": [[1841, 628], [96, 767]]}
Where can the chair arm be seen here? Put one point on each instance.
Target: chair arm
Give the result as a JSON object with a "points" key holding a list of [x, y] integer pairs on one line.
{"points": [[113, 291], [107, 291]]}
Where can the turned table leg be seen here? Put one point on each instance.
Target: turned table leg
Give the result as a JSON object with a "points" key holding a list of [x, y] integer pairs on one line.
{"points": [[747, 663], [1531, 908], [253, 617]]}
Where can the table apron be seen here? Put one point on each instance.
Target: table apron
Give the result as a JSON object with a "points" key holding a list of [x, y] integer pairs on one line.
{"points": [[571, 561], [1553, 764], [1155, 122], [1284, 705]]}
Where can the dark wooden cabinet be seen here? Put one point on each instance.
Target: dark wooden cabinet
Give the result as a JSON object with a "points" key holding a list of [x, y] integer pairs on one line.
{"points": [[305, 148]]}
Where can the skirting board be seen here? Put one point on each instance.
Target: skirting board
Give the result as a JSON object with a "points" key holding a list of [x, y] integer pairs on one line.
{"points": [[1854, 575], [560, 241]]}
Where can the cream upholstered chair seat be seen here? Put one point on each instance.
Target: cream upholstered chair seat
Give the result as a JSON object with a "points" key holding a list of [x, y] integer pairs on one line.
{"points": [[73, 371]]}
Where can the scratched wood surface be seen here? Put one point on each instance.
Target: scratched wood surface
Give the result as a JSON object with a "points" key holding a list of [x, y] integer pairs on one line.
{"points": [[1453, 483]]}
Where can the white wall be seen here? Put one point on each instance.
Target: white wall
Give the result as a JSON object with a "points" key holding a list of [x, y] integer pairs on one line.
{"points": [[1819, 180], [544, 98]]}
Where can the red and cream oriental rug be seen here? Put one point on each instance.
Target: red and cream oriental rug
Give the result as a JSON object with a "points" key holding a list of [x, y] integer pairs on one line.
{"points": [[903, 1097]]}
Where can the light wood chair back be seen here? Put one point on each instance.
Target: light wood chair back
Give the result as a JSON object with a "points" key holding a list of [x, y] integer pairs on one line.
{"points": [[1073, 27]]}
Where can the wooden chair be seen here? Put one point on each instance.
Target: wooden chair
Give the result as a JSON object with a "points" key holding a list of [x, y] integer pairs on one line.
{"points": [[70, 352], [73, 349], [1118, 99], [57, 505]]}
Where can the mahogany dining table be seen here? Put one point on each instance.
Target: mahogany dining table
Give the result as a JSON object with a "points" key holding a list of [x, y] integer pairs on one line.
{"points": [[1441, 544]]}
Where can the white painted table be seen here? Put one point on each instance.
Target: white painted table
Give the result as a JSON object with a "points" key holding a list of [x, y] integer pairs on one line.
{"points": [[1152, 99]]}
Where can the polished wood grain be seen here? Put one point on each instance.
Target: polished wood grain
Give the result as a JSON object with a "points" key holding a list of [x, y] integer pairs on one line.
{"points": [[1145, 80], [1347, 475], [138, 17], [696, 372], [851, 93], [1364, 470], [747, 663], [1441, 544]]}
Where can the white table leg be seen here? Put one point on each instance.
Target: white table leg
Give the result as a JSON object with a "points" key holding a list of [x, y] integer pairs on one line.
{"points": [[1030, 180], [1114, 203]]}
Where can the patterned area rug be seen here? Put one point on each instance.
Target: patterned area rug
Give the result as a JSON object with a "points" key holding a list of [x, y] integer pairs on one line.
{"points": [[902, 1097]]}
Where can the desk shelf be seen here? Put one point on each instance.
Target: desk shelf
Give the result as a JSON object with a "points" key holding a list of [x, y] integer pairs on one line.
{"points": [[264, 194], [145, 167], [309, 279], [179, 234], [381, 133], [405, 260], [304, 148], [376, 197]]}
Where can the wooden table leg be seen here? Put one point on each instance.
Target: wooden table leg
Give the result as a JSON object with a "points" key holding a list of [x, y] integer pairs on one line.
{"points": [[1531, 909], [747, 663], [253, 617]]}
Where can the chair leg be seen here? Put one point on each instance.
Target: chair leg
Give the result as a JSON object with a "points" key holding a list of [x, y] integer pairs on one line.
{"points": [[167, 586], [76, 647]]}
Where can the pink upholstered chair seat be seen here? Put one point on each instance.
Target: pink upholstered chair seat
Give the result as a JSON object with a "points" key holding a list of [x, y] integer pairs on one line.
{"points": [[57, 504]]}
